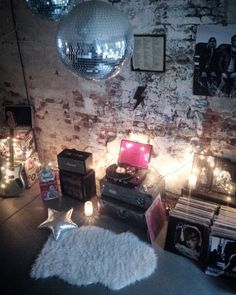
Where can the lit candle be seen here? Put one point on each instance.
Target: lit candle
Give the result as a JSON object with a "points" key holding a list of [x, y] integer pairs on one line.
{"points": [[192, 180], [88, 208], [228, 199]]}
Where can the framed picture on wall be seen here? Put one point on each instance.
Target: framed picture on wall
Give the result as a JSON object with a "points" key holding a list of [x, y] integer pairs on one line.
{"points": [[149, 53], [215, 61]]}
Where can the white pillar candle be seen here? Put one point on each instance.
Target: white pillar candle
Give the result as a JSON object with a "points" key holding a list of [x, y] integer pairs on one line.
{"points": [[192, 180], [88, 208]]}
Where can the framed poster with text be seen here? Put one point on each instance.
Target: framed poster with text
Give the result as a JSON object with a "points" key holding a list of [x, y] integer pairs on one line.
{"points": [[149, 53]]}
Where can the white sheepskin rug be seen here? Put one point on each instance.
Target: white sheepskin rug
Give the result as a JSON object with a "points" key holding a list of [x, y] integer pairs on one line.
{"points": [[92, 254]]}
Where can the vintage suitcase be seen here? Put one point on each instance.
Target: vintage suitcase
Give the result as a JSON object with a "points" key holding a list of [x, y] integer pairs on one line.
{"points": [[123, 211], [141, 196], [81, 187], [150, 220], [75, 161]]}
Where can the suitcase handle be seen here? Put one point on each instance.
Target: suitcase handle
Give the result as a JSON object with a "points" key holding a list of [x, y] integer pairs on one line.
{"points": [[140, 201], [122, 213]]}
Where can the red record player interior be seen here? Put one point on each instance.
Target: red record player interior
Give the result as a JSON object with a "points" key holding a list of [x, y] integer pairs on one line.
{"points": [[134, 154]]}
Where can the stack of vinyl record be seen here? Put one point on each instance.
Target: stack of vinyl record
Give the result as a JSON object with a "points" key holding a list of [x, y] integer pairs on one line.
{"points": [[189, 227], [222, 244]]}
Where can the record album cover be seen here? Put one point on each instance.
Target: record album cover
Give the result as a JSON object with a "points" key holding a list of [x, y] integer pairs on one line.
{"points": [[155, 218], [188, 237], [222, 257]]}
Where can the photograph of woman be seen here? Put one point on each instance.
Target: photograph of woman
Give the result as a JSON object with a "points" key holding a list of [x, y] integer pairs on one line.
{"points": [[188, 241]]}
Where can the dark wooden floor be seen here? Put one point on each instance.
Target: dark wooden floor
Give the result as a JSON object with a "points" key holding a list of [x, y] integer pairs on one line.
{"points": [[21, 242]]}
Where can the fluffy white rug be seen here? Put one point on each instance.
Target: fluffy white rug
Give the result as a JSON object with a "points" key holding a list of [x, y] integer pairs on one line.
{"points": [[91, 254]]}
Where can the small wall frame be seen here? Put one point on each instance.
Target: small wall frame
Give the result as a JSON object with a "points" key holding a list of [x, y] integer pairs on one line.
{"points": [[149, 53]]}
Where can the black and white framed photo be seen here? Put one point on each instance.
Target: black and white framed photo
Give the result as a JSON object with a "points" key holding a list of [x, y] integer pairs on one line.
{"points": [[215, 61], [149, 53]]}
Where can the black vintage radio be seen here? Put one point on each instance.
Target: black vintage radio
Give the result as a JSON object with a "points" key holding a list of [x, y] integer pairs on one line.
{"points": [[81, 187], [75, 161]]}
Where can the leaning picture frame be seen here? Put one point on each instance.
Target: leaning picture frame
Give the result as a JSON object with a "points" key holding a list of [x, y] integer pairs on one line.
{"points": [[215, 179], [149, 53]]}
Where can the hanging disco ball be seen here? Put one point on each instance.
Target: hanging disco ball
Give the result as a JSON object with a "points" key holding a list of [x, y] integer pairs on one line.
{"points": [[50, 9], [94, 40]]}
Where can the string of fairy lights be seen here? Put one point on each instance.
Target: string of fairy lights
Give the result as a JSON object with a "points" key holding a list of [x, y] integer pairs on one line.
{"points": [[220, 177], [198, 173], [7, 166]]}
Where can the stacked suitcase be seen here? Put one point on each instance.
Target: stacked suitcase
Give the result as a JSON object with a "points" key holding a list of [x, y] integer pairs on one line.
{"points": [[130, 203], [135, 202]]}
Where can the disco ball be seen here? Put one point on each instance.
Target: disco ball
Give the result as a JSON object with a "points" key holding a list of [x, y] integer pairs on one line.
{"points": [[50, 9], [95, 40]]}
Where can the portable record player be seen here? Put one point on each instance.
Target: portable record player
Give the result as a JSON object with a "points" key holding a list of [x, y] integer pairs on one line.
{"points": [[140, 195], [132, 166], [130, 180]]}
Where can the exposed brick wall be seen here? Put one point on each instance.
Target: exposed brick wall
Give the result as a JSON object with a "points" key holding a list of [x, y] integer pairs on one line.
{"points": [[94, 116]]}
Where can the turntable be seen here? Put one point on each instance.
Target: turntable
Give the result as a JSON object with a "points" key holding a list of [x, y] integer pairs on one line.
{"points": [[141, 195], [132, 164], [130, 180]]}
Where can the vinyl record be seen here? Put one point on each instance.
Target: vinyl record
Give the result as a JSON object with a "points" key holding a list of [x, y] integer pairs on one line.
{"points": [[111, 172]]}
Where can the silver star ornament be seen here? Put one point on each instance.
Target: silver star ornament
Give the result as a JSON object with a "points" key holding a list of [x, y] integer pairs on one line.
{"points": [[58, 222]]}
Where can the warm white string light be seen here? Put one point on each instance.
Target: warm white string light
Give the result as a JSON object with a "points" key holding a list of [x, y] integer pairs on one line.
{"points": [[7, 165]]}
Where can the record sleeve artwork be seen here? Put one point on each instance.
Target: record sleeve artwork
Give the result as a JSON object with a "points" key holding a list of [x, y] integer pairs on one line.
{"points": [[188, 228], [222, 244], [204, 232]]}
